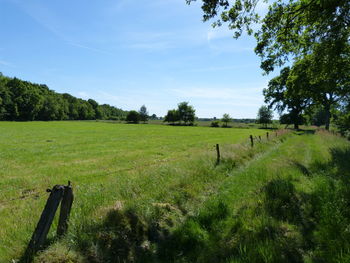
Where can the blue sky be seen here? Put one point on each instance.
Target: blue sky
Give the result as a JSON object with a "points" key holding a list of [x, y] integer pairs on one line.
{"points": [[128, 53]]}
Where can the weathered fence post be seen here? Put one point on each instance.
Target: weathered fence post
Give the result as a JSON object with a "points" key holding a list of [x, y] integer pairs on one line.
{"points": [[217, 154], [66, 206], [251, 140], [267, 135], [259, 138], [39, 236]]}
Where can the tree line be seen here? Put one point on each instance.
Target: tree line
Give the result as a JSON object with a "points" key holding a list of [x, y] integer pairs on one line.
{"points": [[25, 101]]}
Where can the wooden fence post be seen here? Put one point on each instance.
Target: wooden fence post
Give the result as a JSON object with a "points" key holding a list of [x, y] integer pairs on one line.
{"points": [[66, 206], [259, 138], [251, 140], [217, 154], [39, 236], [267, 135]]}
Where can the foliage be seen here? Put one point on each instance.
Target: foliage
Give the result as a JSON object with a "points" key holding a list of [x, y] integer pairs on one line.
{"points": [[288, 91], [143, 113], [288, 119], [226, 118], [319, 117], [290, 28], [343, 121], [264, 116], [215, 124], [133, 117], [184, 113], [172, 116], [153, 117], [24, 101]]}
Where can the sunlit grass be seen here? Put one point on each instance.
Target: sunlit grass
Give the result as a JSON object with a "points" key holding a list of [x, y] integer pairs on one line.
{"points": [[105, 162]]}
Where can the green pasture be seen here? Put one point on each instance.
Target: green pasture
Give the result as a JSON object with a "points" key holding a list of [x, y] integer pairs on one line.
{"points": [[104, 161], [153, 193]]}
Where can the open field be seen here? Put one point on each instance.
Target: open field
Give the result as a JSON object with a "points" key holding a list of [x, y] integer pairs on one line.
{"points": [[104, 161], [152, 193]]}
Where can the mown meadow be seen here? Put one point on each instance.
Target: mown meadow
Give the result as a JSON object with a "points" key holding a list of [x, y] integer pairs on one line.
{"points": [[106, 162]]}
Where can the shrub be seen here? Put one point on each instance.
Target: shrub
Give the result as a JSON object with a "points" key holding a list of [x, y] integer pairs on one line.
{"points": [[215, 124]]}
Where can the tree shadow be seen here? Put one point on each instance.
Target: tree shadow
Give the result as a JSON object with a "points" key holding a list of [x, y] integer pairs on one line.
{"points": [[302, 168], [337, 167]]}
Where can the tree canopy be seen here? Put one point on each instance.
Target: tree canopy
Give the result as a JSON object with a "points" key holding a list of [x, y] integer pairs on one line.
{"points": [[264, 116], [133, 117], [184, 113], [290, 28], [226, 118], [143, 113], [25, 101]]}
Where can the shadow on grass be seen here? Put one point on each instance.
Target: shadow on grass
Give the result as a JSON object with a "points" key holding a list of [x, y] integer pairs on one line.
{"points": [[29, 253]]}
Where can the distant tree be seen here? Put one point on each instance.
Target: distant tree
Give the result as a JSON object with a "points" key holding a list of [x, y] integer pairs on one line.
{"points": [[172, 116], [186, 113], [133, 117], [264, 116], [215, 124], [226, 118], [143, 113], [153, 117]]}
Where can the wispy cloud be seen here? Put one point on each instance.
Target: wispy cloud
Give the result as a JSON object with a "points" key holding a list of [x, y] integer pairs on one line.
{"points": [[223, 68], [163, 40], [5, 63], [89, 48], [49, 20], [219, 93]]}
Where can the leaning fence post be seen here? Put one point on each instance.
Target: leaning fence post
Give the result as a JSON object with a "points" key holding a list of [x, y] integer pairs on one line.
{"points": [[251, 140], [217, 154], [39, 236], [66, 206]]}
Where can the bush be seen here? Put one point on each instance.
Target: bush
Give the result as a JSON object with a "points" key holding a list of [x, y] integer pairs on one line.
{"points": [[133, 117], [215, 124]]}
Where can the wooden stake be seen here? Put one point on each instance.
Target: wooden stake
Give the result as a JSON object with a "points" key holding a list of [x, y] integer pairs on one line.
{"points": [[66, 206], [39, 236], [251, 140], [267, 135], [217, 154]]}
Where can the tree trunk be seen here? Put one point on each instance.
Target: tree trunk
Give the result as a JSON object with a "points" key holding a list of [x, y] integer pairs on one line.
{"points": [[296, 126]]}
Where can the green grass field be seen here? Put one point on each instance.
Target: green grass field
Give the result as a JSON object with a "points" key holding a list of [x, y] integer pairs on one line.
{"points": [[152, 193], [104, 161]]}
